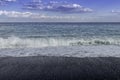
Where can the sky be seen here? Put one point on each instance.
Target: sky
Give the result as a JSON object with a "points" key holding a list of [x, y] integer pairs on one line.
{"points": [[59, 10]]}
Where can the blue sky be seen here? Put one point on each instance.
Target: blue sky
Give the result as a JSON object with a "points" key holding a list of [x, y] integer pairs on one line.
{"points": [[59, 11]]}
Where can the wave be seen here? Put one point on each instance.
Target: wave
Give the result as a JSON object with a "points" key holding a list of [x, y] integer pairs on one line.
{"points": [[16, 42]]}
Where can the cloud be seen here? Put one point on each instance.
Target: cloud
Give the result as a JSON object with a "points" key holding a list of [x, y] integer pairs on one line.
{"points": [[113, 11], [4, 2], [55, 6], [9, 0], [16, 14]]}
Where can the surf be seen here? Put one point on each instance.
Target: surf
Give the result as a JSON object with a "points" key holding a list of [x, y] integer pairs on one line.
{"points": [[17, 42]]}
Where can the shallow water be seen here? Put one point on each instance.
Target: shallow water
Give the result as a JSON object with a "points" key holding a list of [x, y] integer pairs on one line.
{"points": [[60, 39], [37, 35], [73, 51]]}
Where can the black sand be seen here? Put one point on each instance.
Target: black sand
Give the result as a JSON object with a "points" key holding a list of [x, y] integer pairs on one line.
{"points": [[59, 68]]}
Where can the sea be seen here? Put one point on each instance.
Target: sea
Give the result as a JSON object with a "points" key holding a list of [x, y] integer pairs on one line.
{"points": [[19, 39]]}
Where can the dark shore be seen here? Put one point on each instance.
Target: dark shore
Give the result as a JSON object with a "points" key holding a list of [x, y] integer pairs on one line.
{"points": [[59, 68]]}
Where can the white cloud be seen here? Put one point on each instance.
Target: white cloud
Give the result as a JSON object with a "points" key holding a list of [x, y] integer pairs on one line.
{"points": [[113, 11], [4, 2], [10, 0], [16, 14], [55, 6]]}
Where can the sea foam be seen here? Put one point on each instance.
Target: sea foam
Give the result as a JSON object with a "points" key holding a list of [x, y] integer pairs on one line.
{"points": [[17, 42], [71, 51]]}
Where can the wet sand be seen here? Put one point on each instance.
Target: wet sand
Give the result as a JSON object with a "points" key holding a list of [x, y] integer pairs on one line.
{"points": [[59, 68]]}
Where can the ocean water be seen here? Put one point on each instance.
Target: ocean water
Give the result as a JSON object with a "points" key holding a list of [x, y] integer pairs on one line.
{"points": [[60, 39]]}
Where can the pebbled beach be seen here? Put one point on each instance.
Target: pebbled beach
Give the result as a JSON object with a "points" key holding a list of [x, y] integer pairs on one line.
{"points": [[59, 68]]}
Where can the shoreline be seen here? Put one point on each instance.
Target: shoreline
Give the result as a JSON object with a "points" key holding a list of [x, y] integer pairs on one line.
{"points": [[59, 68], [71, 51]]}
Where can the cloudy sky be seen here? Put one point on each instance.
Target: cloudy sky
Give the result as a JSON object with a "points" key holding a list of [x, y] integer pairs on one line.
{"points": [[59, 10]]}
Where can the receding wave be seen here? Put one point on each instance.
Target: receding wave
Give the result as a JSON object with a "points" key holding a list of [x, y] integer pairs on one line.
{"points": [[16, 42]]}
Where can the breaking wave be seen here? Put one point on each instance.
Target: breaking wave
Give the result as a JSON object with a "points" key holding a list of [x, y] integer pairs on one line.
{"points": [[16, 42]]}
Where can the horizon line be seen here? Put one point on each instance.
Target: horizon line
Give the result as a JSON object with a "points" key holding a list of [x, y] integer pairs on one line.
{"points": [[58, 22]]}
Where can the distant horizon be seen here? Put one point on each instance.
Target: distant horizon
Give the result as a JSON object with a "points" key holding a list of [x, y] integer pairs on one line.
{"points": [[59, 22]]}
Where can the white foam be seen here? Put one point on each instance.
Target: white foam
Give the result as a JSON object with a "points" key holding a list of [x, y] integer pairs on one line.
{"points": [[71, 51], [16, 42]]}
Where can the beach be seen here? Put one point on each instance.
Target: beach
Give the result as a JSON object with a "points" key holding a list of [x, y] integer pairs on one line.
{"points": [[59, 51], [59, 68]]}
